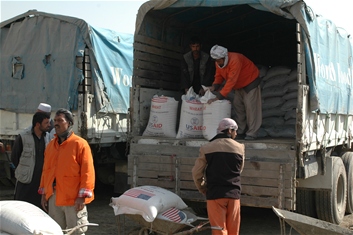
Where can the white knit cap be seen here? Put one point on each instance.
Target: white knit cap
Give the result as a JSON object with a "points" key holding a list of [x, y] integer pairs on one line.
{"points": [[218, 52], [44, 107], [227, 123]]}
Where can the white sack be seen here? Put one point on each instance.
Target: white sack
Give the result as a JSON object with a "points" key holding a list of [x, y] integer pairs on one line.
{"points": [[163, 117], [289, 105], [173, 214], [272, 102], [278, 80], [292, 86], [212, 114], [291, 114], [275, 112], [276, 70], [272, 121], [274, 91], [190, 125], [285, 131], [291, 95], [19, 217], [147, 201]]}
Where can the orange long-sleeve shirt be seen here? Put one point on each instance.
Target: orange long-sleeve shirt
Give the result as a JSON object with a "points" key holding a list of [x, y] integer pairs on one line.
{"points": [[71, 165], [238, 73]]}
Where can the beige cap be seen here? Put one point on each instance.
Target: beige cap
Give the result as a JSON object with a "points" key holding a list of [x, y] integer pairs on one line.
{"points": [[44, 107], [227, 123]]}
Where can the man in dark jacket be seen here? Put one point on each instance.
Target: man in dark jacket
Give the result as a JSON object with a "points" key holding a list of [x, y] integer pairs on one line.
{"points": [[216, 174], [28, 157], [197, 68]]}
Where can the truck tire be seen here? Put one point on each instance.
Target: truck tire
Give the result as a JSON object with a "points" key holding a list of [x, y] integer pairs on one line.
{"points": [[331, 205], [306, 202], [347, 159]]}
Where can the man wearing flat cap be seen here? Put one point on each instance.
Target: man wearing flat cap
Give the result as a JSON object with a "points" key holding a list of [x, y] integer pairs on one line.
{"points": [[216, 174], [68, 177], [241, 75]]}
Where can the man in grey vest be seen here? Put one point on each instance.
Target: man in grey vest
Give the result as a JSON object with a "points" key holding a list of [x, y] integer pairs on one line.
{"points": [[28, 157], [197, 68]]}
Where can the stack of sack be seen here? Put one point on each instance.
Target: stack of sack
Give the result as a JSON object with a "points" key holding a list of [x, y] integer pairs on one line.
{"points": [[152, 202], [279, 102], [198, 119]]}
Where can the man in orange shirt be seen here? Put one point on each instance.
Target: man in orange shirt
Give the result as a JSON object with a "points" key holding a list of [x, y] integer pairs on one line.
{"points": [[241, 75], [68, 176]]}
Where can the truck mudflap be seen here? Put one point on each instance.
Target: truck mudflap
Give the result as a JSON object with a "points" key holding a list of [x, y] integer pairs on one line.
{"points": [[306, 225]]}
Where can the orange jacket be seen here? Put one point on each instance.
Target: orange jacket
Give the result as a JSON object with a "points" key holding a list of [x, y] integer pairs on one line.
{"points": [[71, 165], [238, 73]]}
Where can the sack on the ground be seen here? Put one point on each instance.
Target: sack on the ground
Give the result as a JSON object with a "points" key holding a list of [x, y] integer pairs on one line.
{"points": [[19, 217], [147, 201]]}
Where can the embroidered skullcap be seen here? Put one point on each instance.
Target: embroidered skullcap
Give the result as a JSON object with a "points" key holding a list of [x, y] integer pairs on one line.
{"points": [[44, 107], [218, 52], [227, 123]]}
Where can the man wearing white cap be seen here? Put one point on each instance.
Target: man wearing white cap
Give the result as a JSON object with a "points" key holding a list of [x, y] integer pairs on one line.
{"points": [[46, 108], [216, 174], [241, 75], [43, 107], [28, 157]]}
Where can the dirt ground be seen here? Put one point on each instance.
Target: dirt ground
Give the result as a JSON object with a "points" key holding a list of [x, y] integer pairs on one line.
{"points": [[254, 220]]}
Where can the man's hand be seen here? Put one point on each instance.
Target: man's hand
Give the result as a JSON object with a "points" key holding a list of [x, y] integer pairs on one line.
{"points": [[202, 92], [44, 203], [210, 101], [212, 88], [79, 203]]}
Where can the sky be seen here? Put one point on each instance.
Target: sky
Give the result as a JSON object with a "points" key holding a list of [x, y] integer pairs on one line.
{"points": [[120, 15]]}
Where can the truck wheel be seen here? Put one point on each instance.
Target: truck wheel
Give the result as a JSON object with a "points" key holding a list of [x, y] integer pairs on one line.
{"points": [[347, 159], [306, 202], [331, 206]]}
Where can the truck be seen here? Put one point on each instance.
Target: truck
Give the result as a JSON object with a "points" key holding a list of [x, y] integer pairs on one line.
{"points": [[67, 63], [308, 169]]}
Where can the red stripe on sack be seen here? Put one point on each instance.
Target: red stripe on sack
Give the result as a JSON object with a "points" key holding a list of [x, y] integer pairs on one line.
{"points": [[137, 192]]}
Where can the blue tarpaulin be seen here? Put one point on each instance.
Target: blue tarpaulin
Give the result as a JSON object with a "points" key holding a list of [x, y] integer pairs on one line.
{"points": [[114, 54], [39, 55]]}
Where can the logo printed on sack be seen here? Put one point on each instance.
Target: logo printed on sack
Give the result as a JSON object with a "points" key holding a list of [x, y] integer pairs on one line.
{"points": [[174, 215], [138, 193], [153, 124], [194, 125]]}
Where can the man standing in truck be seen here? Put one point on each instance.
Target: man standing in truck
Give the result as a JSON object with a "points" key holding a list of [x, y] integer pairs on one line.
{"points": [[68, 175], [241, 75], [216, 174], [196, 68]]}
